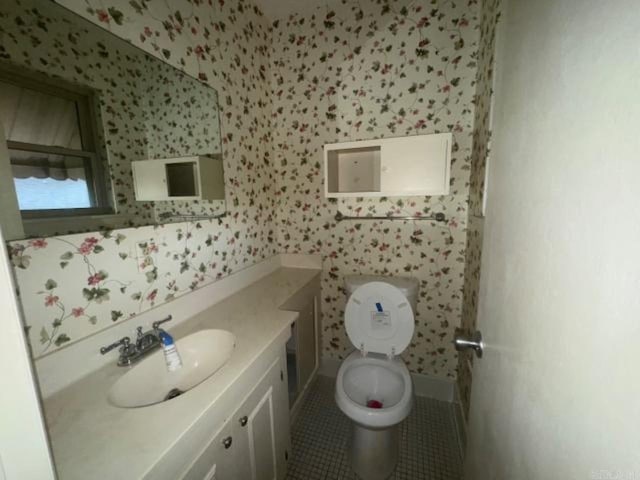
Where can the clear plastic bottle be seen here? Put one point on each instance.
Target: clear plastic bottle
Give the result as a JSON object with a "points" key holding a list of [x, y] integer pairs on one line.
{"points": [[171, 355]]}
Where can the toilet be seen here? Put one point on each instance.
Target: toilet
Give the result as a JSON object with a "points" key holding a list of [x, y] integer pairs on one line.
{"points": [[373, 386]]}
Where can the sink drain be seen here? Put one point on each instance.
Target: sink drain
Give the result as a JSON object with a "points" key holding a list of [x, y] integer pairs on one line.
{"points": [[173, 393]]}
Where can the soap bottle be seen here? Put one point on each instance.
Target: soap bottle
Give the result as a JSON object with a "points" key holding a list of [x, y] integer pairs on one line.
{"points": [[171, 355]]}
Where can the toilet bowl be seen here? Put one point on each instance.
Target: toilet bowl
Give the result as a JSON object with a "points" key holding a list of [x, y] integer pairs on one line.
{"points": [[373, 386], [374, 377]]}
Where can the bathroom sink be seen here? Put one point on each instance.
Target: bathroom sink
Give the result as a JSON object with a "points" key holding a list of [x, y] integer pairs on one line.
{"points": [[203, 353]]}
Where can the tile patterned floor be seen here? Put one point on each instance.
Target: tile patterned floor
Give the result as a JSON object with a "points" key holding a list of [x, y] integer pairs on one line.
{"points": [[429, 446]]}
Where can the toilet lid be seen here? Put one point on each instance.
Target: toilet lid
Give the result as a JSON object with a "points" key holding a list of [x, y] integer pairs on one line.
{"points": [[379, 319]]}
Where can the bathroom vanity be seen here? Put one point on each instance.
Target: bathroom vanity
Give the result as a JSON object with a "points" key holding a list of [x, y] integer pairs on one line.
{"points": [[233, 425], [253, 442]]}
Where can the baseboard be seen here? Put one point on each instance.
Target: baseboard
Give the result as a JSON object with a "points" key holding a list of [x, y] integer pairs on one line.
{"points": [[423, 385], [433, 387]]}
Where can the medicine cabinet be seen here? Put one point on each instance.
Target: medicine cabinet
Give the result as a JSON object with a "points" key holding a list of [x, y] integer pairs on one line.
{"points": [[402, 166], [184, 178]]}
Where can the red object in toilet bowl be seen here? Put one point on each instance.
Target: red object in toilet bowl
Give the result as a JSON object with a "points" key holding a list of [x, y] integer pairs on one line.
{"points": [[374, 404]]}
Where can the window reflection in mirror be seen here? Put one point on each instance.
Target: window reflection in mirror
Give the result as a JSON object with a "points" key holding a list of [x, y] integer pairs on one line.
{"points": [[78, 105], [50, 132], [49, 182]]}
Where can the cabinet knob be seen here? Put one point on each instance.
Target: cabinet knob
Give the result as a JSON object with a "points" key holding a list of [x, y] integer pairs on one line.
{"points": [[227, 442], [243, 420]]}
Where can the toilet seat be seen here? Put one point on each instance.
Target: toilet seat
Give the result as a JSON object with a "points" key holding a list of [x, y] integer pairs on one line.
{"points": [[379, 319]]}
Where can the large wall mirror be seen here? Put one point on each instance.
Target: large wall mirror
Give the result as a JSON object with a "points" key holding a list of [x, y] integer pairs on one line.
{"points": [[95, 133]]}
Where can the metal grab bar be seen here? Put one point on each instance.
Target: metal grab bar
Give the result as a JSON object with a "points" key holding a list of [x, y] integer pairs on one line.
{"points": [[437, 217], [167, 216]]}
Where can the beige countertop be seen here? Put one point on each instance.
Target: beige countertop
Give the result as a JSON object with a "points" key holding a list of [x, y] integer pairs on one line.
{"points": [[92, 439]]}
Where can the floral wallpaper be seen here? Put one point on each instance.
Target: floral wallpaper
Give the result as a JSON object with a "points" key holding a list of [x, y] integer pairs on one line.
{"points": [[181, 113], [181, 119], [356, 70], [74, 285], [77, 284], [479, 157], [369, 69]]}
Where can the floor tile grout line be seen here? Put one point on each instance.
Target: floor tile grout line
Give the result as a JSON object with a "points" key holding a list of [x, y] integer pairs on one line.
{"points": [[321, 432]]}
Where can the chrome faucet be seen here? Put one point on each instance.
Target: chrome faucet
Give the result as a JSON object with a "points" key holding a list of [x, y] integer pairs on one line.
{"points": [[146, 342], [128, 351]]}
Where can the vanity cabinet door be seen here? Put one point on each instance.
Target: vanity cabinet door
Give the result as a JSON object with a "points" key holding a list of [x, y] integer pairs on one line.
{"points": [[217, 461], [263, 424], [261, 438], [254, 442]]}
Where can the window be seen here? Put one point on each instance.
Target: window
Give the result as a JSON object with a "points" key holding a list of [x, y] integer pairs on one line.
{"points": [[51, 136]]}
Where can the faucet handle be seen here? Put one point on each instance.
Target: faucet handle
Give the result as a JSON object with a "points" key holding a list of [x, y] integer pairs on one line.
{"points": [[125, 342], [157, 323]]}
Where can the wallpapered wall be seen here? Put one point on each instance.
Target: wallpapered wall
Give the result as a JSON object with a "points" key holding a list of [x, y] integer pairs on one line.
{"points": [[77, 284], [369, 69], [360, 70], [479, 157], [74, 285], [182, 119]]}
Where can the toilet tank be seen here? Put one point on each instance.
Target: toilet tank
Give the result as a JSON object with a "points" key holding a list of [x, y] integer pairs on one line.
{"points": [[409, 286]]}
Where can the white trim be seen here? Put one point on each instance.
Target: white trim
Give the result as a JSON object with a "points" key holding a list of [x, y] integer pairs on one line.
{"points": [[24, 449], [423, 385]]}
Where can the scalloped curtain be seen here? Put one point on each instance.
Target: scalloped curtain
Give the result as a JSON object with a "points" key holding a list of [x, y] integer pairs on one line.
{"points": [[37, 165]]}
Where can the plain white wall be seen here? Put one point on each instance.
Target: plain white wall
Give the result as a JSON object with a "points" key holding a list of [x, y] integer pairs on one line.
{"points": [[24, 449], [560, 293]]}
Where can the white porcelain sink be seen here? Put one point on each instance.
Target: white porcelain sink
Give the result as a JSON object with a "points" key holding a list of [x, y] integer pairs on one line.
{"points": [[203, 353]]}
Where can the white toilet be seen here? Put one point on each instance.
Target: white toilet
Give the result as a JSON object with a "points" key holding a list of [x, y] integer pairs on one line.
{"points": [[374, 387]]}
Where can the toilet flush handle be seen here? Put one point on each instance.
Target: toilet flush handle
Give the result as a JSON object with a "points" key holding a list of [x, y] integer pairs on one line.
{"points": [[474, 341]]}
